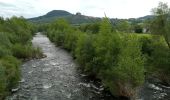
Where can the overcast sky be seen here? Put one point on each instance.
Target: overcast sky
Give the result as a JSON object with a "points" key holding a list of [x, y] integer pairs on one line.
{"points": [[112, 8]]}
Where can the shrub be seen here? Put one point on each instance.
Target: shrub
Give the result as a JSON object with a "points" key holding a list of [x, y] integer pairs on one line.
{"points": [[4, 51], [57, 31], [15, 36], [71, 39], [85, 53], [26, 51], [106, 47], [21, 51], [4, 40], [118, 59], [129, 71], [3, 82], [12, 71], [160, 60]]}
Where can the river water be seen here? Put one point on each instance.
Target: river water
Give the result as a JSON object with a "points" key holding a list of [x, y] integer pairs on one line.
{"points": [[57, 77]]}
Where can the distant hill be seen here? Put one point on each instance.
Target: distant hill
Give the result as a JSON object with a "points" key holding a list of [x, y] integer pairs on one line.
{"points": [[146, 17], [72, 18], [78, 18]]}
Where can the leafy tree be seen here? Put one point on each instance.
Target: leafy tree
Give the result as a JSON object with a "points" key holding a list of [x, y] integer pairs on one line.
{"points": [[106, 44], [130, 67], [124, 26], [161, 23], [85, 53], [138, 28]]}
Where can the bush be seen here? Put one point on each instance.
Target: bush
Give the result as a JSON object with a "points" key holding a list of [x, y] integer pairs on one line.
{"points": [[85, 53], [26, 51], [158, 57], [15, 36], [4, 51], [160, 60], [118, 59], [12, 71], [130, 67], [114, 58], [70, 42], [4, 40], [3, 82], [106, 47], [57, 31], [22, 51]]}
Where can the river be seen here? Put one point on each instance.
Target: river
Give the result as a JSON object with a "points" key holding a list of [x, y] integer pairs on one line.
{"points": [[57, 77]]}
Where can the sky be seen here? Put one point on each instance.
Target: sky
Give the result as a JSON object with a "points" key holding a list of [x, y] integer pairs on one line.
{"points": [[96, 8]]}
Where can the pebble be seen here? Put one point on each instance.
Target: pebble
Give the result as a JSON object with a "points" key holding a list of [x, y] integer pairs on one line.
{"points": [[22, 81], [155, 87], [15, 90], [46, 69], [30, 72], [47, 86], [69, 96], [34, 66]]}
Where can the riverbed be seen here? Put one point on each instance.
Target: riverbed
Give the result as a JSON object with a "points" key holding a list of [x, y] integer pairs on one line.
{"points": [[57, 77]]}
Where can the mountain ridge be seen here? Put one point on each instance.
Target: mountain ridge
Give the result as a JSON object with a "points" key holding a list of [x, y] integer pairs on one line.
{"points": [[77, 18]]}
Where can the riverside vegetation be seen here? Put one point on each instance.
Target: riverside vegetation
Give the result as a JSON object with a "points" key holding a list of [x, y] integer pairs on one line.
{"points": [[15, 46], [117, 54], [120, 59]]}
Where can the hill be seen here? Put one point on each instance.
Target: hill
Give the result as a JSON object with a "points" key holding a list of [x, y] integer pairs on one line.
{"points": [[72, 18], [78, 18]]}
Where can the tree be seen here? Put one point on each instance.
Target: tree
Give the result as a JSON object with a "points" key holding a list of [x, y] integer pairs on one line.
{"points": [[130, 67], [161, 23], [123, 26]]}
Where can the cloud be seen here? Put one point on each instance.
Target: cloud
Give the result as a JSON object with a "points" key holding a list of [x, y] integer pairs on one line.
{"points": [[113, 8]]}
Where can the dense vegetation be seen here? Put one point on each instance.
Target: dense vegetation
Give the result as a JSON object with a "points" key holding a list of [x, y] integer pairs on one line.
{"points": [[120, 59], [113, 52], [15, 46], [113, 57]]}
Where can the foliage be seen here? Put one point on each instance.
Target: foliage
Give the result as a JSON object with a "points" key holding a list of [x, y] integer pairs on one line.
{"points": [[15, 36], [101, 54], [85, 53], [12, 71], [138, 28], [124, 26], [3, 82], [106, 47], [90, 28], [160, 60], [57, 31], [161, 23], [130, 67], [25, 51]]}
